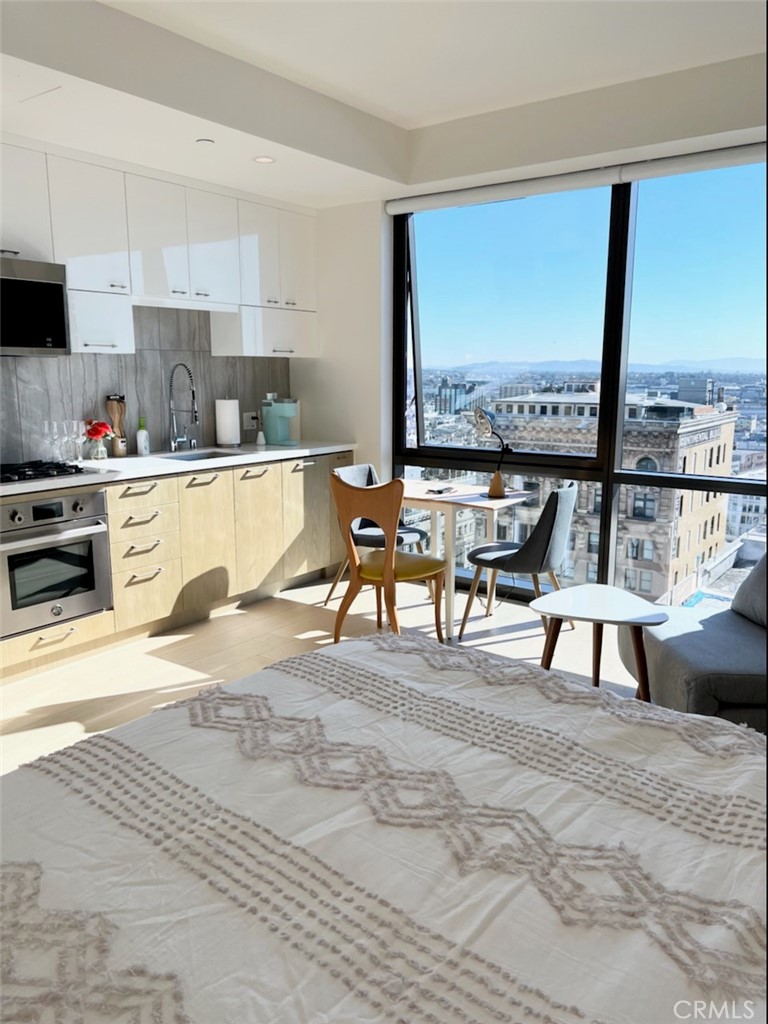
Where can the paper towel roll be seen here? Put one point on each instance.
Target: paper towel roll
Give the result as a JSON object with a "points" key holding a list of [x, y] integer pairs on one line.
{"points": [[227, 421]]}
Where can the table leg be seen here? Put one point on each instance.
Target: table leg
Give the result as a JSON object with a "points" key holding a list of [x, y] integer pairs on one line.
{"points": [[643, 690], [450, 571], [597, 650], [553, 631]]}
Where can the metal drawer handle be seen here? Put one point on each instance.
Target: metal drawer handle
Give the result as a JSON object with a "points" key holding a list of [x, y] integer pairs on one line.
{"points": [[178, 291], [13, 252], [208, 479], [99, 344], [274, 301], [143, 519], [118, 286], [302, 465], [47, 638], [145, 488], [144, 577], [204, 295], [288, 351], [252, 474], [145, 547], [290, 302]]}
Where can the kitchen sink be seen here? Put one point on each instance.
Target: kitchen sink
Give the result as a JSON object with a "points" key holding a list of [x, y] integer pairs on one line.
{"points": [[195, 456]]}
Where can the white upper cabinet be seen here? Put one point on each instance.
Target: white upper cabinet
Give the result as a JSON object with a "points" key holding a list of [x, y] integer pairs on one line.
{"points": [[264, 331], [297, 261], [157, 234], [277, 257], [25, 217], [214, 258], [90, 230], [100, 324], [259, 255]]}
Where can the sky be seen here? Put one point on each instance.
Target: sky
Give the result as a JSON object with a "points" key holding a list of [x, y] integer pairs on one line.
{"points": [[525, 279]]}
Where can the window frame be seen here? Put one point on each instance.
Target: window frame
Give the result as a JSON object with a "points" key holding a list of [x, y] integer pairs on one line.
{"points": [[604, 467]]}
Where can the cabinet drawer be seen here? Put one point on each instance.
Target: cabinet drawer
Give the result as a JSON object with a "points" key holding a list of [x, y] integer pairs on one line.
{"points": [[149, 521], [149, 550], [52, 640], [142, 494], [145, 594]]}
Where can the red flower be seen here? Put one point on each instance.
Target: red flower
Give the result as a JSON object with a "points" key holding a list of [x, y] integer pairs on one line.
{"points": [[97, 430]]}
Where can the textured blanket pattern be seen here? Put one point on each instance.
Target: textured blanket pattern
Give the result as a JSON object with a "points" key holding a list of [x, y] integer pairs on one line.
{"points": [[389, 830]]}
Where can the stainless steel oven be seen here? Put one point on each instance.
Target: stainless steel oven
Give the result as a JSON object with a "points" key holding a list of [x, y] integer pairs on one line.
{"points": [[54, 560]]}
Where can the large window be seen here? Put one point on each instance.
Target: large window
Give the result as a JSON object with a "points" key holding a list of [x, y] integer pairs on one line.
{"points": [[510, 299], [617, 338]]}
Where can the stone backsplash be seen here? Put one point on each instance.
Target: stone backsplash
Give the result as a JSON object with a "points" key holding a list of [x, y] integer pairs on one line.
{"points": [[75, 387]]}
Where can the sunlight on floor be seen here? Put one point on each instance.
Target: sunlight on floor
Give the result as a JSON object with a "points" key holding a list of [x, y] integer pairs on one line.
{"points": [[44, 711]]}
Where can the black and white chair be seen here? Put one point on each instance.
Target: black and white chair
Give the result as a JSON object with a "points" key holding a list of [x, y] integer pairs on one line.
{"points": [[366, 534], [543, 551]]}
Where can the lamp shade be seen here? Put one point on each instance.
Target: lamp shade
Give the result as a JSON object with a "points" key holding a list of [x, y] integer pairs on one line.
{"points": [[485, 421]]}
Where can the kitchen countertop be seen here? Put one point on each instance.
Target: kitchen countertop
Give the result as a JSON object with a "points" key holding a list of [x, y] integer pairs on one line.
{"points": [[132, 467]]}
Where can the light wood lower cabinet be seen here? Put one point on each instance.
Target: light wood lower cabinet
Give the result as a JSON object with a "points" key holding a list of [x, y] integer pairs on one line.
{"points": [[306, 516], [53, 641], [144, 594], [207, 520], [145, 551], [258, 526], [338, 550]]}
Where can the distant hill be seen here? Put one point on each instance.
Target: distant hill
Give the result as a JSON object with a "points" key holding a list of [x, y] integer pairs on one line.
{"points": [[733, 364]]}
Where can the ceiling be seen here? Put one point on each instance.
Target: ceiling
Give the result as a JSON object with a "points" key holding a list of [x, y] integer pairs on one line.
{"points": [[393, 72], [418, 64]]}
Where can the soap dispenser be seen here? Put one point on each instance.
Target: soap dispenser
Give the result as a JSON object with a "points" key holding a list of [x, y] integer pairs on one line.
{"points": [[142, 438]]}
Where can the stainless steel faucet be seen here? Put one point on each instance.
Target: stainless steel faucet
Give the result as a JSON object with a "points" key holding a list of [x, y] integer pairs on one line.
{"points": [[176, 437]]}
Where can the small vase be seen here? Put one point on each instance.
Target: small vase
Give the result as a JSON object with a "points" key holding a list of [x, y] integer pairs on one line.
{"points": [[99, 451]]}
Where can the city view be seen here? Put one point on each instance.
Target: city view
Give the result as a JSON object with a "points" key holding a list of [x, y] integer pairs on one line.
{"points": [[673, 546], [511, 304]]}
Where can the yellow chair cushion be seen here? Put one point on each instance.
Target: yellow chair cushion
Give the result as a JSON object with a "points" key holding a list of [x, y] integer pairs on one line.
{"points": [[407, 566]]}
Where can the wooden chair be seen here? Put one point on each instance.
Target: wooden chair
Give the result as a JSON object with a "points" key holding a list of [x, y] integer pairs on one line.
{"points": [[385, 567], [367, 535]]}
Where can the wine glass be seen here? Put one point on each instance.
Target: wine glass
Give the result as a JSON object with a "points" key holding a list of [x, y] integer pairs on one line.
{"points": [[55, 441], [47, 439], [65, 444], [78, 438]]}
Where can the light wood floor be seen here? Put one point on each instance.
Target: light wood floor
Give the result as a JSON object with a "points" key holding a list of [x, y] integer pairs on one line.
{"points": [[46, 711]]}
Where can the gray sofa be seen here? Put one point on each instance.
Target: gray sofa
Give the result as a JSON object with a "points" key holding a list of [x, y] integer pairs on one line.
{"points": [[710, 662]]}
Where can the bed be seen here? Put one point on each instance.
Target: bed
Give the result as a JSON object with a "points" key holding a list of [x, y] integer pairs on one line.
{"points": [[389, 830]]}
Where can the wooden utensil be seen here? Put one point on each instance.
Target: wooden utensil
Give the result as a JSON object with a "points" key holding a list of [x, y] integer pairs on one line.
{"points": [[116, 410]]}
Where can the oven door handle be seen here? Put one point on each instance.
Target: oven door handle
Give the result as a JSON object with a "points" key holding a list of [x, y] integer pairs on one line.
{"points": [[49, 539]]}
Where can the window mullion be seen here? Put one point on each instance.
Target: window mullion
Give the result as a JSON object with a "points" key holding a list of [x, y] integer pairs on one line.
{"points": [[613, 375]]}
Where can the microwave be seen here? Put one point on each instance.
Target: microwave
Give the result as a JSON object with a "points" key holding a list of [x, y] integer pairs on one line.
{"points": [[33, 309]]}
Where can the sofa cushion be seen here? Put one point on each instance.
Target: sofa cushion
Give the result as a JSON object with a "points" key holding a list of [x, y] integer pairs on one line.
{"points": [[749, 599]]}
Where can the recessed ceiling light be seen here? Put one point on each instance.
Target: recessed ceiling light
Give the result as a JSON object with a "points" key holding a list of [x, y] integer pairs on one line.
{"points": [[263, 159], [211, 142]]}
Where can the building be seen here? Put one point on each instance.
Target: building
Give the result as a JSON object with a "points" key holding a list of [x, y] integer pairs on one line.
{"points": [[664, 535]]}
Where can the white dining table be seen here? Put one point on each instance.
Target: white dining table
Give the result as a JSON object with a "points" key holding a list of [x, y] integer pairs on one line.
{"points": [[448, 499]]}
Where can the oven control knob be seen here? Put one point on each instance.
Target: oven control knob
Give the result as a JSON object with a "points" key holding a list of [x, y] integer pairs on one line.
{"points": [[56, 609], [78, 507], [17, 517]]}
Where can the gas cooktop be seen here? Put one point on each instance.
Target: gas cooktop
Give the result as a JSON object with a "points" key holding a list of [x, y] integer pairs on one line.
{"points": [[37, 470]]}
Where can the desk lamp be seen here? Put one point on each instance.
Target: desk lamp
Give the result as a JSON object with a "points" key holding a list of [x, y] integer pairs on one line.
{"points": [[484, 423]]}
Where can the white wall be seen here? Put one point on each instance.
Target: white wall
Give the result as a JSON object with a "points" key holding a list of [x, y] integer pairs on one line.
{"points": [[346, 393]]}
